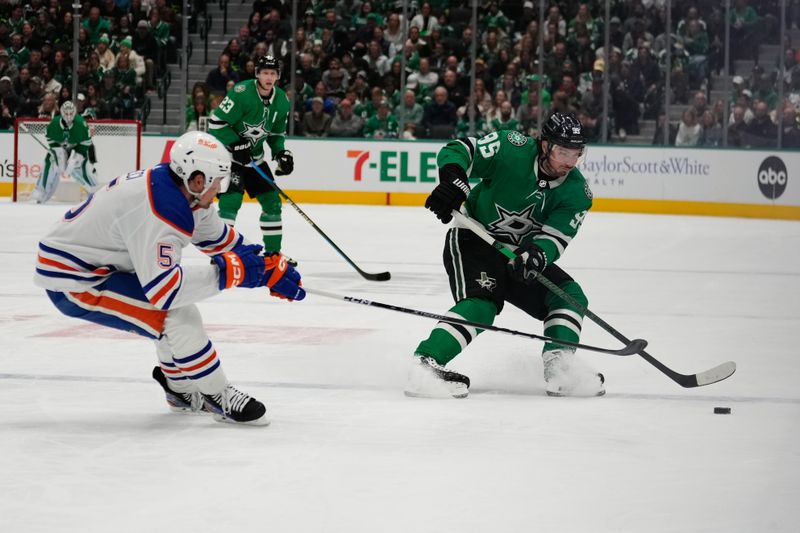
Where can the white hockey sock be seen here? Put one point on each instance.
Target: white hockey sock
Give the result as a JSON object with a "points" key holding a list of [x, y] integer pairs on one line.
{"points": [[192, 353], [176, 380]]}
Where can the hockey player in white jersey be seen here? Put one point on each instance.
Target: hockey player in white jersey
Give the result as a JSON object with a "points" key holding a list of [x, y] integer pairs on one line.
{"points": [[70, 153], [116, 260]]}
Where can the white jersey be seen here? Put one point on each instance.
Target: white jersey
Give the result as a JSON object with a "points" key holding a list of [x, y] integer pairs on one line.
{"points": [[138, 223]]}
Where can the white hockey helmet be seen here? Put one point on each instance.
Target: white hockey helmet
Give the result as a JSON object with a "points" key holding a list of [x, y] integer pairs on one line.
{"points": [[197, 151], [68, 112]]}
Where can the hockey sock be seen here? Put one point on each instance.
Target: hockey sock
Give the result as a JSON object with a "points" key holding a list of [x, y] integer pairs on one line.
{"points": [[446, 341], [271, 224], [563, 321], [229, 205], [193, 354], [176, 380]]}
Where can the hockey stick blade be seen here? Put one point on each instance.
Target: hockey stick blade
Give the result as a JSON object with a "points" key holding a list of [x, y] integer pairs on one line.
{"points": [[380, 276], [707, 377], [688, 381], [631, 348]]}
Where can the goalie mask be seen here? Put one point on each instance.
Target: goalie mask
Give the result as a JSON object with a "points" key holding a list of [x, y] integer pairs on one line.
{"points": [[68, 113], [197, 151]]}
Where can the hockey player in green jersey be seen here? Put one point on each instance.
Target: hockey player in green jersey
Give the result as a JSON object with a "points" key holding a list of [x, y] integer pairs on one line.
{"points": [[531, 197], [251, 117], [70, 152]]}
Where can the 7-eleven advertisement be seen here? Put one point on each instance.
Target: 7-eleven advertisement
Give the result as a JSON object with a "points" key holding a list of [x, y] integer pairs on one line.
{"points": [[344, 165], [755, 183]]}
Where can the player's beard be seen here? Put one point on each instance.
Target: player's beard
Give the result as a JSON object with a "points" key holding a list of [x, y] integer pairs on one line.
{"points": [[553, 171]]}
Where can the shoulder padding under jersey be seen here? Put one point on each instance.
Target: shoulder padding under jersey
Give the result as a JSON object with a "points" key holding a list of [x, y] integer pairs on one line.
{"points": [[168, 202]]}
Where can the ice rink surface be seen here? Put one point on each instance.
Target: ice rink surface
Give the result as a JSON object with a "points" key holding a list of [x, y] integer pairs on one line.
{"points": [[87, 443]]}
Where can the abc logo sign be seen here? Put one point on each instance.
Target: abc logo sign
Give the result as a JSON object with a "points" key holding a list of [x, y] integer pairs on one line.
{"points": [[772, 177]]}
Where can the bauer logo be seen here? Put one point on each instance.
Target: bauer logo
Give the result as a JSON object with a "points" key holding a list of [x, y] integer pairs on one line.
{"points": [[772, 177]]}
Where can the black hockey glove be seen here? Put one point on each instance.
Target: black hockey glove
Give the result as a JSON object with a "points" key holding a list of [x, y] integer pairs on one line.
{"points": [[285, 163], [449, 194], [240, 152], [530, 261]]}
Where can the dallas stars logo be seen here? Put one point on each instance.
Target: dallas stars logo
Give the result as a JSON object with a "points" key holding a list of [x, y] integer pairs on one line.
{"points": [[486, 282], [513, 224], [254, 132]]}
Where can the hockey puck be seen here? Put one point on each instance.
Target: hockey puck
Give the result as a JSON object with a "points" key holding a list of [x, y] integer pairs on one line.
{"points": [[722, 410]]}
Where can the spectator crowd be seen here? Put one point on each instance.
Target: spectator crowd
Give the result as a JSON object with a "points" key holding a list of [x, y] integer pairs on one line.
{"points": [[122, 47], [348, 79]]}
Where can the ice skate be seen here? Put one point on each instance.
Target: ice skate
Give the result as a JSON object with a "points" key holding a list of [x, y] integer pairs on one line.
{"points": [[565, 376], [179, 402], [236, 407], [289, 260], [429, 379]]}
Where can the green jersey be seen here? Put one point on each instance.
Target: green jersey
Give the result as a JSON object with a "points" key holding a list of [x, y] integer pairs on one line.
{"points": [[498, 124], [510, 200], [75, 138], [244, 114], [380, 128]]}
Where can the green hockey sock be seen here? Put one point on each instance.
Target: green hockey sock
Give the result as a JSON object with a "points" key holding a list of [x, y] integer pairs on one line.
{"points": [[563, 320], [446, 340], [229, 204], [270, 220]]}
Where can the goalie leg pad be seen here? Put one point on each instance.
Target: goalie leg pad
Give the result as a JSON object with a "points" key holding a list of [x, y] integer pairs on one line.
{"points": [[82, 171], [54, 164]]}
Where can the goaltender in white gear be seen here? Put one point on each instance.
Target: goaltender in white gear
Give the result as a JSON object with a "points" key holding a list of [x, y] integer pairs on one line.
{"points": [[115, 260], [70, 152]]}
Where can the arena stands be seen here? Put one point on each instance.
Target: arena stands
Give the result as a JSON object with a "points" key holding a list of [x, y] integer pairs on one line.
{"points": [[123, 48], [348, 65]]}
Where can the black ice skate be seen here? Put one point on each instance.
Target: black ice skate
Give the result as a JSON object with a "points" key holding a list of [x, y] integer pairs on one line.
{"points": [[179, 402], [234, 406], [290, 260], [429, 379]]}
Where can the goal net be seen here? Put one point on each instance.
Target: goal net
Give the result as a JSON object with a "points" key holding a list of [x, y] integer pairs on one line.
{"points": [[117, 145]]}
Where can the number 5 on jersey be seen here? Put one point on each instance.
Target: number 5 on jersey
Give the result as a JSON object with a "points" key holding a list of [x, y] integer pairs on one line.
{"points": [[489, 145], [165, 257]]}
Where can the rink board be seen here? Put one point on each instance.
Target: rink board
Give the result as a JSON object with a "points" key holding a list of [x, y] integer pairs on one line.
{"points": [[752, 183]]}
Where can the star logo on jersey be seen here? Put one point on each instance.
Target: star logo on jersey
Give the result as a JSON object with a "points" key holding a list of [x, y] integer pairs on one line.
{"points": [[486, 282], [516, 138], [254, 132], [513, 224]]}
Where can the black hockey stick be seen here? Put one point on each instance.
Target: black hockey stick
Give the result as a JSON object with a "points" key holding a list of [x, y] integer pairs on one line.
{"points": [[712, 375], [632, 348], [380, 276]]}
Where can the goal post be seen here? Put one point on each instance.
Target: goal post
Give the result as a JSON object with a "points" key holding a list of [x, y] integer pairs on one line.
{"points": [[117, 143]]}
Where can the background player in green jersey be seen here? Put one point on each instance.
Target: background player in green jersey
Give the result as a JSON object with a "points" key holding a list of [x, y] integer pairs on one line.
{"points": [[71, 152], [251, 117], [531, 197]]}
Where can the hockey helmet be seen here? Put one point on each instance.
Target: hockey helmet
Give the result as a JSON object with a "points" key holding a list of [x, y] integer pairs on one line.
{"points": [[564, 129], [197, 151], [268, 62], [68, 112]]}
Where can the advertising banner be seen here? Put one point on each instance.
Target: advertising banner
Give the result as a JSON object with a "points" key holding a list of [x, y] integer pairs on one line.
{"points": [[349, 167]]}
